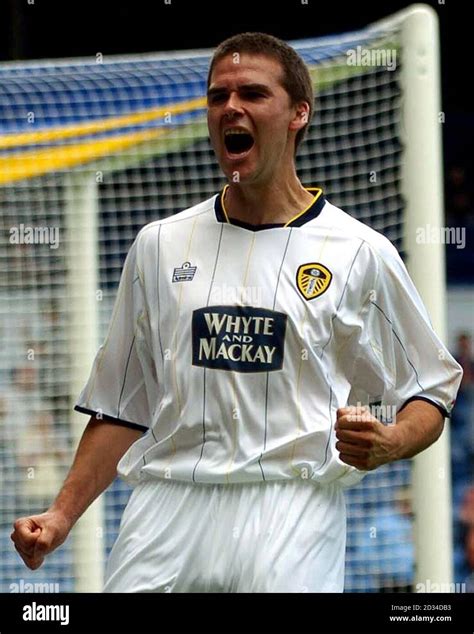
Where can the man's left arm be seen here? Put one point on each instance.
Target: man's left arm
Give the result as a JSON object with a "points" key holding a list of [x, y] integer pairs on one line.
{"points": [[366, 443]]}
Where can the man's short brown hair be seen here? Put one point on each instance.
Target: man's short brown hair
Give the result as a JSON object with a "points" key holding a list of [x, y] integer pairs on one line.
{"points": [[296, 79]]}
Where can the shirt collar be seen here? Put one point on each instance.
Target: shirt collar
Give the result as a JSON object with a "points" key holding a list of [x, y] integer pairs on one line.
{"points": [[298, 220]]}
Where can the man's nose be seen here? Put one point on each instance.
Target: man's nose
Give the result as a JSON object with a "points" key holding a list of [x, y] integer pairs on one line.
{"points": [[233, 105]]}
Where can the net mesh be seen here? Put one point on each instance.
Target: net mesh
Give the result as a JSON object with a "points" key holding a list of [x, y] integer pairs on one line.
{"points": [[136, 128]]}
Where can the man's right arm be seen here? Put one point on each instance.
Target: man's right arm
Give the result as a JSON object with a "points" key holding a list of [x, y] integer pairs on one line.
{"points": [[94, 468]]}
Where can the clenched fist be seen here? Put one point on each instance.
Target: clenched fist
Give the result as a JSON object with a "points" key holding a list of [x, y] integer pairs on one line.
{"points": [[36, 536], [363, 441]]}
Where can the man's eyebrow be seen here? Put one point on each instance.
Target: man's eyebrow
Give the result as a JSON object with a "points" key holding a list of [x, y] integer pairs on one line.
{"points": [[251, 86], [257, 87]]}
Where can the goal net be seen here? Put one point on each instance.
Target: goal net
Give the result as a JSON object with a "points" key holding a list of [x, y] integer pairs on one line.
{"points": [[93, 149]]}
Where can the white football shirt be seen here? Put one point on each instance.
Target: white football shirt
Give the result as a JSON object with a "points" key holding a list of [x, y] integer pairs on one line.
{"points": [[233, 346]]}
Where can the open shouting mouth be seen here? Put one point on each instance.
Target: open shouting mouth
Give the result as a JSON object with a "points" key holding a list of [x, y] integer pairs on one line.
{"points": [[238, 142]]}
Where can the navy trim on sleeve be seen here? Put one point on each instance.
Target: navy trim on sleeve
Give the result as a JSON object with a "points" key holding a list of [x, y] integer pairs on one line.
{"points": [[111, 419], [423, 398]]}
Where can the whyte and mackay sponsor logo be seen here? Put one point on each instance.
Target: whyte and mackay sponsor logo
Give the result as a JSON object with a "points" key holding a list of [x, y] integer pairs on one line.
{"points": [[238, 338]]}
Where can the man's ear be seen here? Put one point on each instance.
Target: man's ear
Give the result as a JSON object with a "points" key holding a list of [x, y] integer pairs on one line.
{"points": [[301, 117]]}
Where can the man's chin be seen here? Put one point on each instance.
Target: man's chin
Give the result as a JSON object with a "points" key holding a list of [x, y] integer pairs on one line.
{"points": [[239, 173]]}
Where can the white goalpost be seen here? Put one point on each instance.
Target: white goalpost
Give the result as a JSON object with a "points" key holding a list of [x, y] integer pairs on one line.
{"points": [[423, 189], [81, 229]]}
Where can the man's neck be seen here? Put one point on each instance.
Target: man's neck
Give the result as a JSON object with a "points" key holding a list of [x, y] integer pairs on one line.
{"points": [[261, 205]]}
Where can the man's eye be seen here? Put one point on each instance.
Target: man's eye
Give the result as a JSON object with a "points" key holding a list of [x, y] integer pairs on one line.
{"points": [[217, 98], [254, 94]]}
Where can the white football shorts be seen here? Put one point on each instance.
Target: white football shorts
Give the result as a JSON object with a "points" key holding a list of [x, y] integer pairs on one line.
{"points": [[276, 536]]}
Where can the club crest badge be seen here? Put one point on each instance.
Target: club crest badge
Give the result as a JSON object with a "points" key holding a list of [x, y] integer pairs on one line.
{"points": [[313, 280]]}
